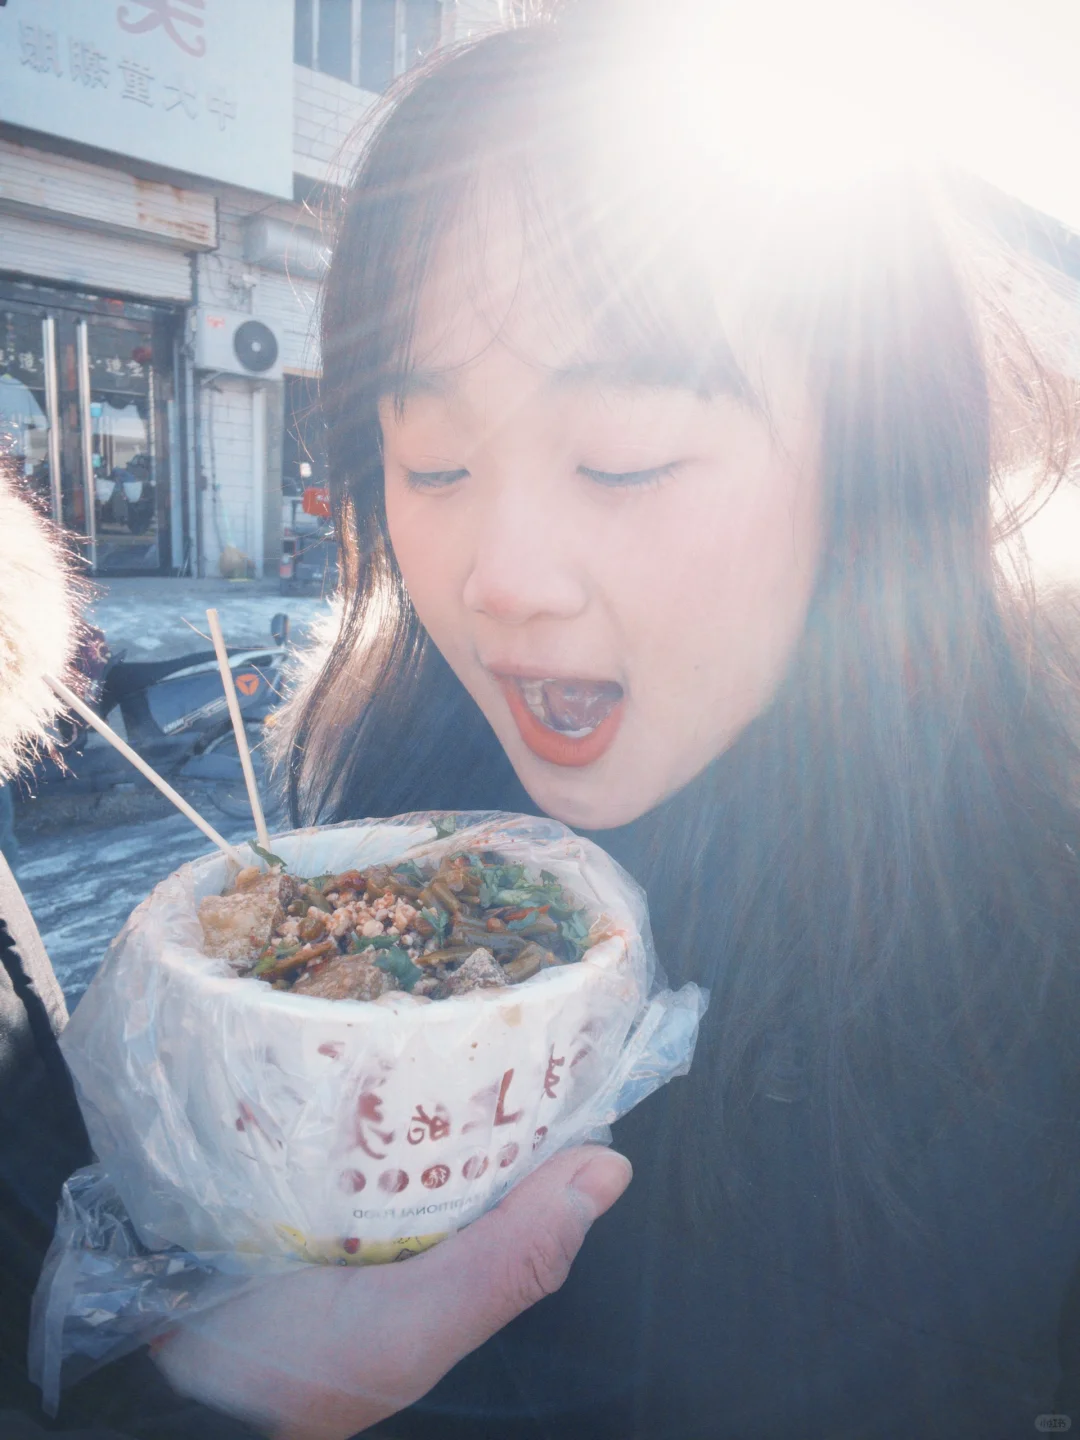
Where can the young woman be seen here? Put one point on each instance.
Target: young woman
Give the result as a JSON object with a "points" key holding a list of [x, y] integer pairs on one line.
{"points": [[665, 502], [295, 1359]]}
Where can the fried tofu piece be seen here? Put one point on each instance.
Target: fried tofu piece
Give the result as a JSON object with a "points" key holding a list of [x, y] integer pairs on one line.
{"points": [[237, 927], [348, 977], [481, 971]]}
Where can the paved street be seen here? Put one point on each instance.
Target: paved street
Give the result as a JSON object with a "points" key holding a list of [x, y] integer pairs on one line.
{"points": [[83, 883], [83, 879], [155, 619]]}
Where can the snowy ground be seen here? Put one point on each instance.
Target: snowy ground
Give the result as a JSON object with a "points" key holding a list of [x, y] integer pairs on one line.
{"points": [[153, 619], [82, 884], [84, 879]]}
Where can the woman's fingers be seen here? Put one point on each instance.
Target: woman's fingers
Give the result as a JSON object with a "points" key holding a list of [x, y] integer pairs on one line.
{"points": [[430, 1312], [322, 1354], [523, 1249]]}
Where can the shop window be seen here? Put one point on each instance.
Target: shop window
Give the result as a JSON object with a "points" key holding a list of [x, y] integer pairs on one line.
{"points": [[303, 32], [85, 392], [378, 32], [423, 24], [24, 423], [335, 38], [367, 42]]}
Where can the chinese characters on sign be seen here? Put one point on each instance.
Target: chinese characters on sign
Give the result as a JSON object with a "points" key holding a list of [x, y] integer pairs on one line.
{"points": [[116, 366], [180, 92], [39, 47], [88, 64], [202, 87], [219, 104], [137, 82], [40, 50]]}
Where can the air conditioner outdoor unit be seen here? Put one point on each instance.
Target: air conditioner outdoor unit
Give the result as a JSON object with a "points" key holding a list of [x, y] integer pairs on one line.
{"points": [[235, 344]]}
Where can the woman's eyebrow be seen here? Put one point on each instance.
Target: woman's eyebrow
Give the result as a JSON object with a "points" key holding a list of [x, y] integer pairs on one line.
{"points": [[715, 376]]}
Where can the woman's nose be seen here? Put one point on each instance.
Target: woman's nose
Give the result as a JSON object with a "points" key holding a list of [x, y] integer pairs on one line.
{"points": [[524, 566]]}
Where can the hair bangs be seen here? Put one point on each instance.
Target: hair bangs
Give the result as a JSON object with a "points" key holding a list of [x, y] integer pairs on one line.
{"points": [[594, 255]]}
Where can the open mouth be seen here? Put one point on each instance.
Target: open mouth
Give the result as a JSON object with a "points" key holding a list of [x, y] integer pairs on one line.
{"points": [[565, 721], [572, 707]]}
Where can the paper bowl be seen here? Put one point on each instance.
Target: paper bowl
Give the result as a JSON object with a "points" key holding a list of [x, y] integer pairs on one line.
{"points": [[234, 1116]]}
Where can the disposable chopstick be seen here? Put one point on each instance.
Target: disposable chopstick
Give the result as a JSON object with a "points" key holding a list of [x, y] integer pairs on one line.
{"points": [[72, 701], [238, 728]]}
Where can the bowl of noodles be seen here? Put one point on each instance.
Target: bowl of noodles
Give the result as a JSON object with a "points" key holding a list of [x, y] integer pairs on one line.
{"points": [[358, 1044]]}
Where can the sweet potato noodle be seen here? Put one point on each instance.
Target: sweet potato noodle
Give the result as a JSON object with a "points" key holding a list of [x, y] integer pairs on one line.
{"points": [[471, 921]]}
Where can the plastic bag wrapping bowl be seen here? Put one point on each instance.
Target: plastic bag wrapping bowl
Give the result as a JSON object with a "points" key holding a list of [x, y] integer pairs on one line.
{"points": [[229, 1117]]}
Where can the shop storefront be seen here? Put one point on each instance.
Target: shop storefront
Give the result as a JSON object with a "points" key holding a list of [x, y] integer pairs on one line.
{"points": [[88, 417], [123, 130]]}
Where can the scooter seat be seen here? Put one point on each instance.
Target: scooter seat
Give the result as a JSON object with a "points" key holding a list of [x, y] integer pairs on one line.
{"points": [[127, 678]]}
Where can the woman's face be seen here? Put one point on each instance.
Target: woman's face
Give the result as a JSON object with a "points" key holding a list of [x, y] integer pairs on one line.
{"points": [[616, 567]]}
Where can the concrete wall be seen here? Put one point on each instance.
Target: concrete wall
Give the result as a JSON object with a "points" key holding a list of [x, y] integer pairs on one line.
{"points": [[327, 115], [227, 435], [229, 412], [287, 303]]}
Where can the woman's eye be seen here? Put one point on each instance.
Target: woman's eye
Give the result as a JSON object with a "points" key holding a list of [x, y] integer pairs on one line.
{"points": [[433, 479], [629, 478]]}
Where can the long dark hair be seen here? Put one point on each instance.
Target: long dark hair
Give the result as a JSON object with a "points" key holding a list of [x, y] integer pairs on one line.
{"points": [[882, 870]]}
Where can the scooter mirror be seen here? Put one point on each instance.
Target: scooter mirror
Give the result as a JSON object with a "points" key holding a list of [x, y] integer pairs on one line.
{"points": [[279, 628]]}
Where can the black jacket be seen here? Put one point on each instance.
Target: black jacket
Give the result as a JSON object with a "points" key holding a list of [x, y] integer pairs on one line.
{"points": [[965, 1325], [42, 1140], [756, 1326]]}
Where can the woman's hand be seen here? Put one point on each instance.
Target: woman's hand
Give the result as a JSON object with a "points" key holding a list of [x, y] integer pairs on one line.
{"points": [[325, 1353]]}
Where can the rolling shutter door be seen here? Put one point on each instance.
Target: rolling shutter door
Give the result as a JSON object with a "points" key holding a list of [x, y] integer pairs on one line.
{"points": [[93, 260]]}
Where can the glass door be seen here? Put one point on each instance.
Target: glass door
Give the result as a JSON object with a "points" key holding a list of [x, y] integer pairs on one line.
{"points": [[83, 397], [29, 436], [119, 441]]}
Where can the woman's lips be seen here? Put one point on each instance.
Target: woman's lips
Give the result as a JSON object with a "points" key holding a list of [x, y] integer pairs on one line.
{"points": [[571, 700]]}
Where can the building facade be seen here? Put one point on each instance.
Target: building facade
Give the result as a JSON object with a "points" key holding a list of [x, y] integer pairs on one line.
{"points": [[164, 165]]}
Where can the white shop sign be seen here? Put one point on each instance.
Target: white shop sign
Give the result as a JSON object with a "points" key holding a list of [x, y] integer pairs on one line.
{"points": [[202, 86]]}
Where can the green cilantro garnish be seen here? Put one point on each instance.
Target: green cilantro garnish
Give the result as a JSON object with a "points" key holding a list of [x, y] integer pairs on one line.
{"points": [[439, 921], [267, 855], [396, 963], [373, 942]]}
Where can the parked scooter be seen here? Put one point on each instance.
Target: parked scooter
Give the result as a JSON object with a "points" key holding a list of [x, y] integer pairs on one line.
{"points": [[175, 715]]}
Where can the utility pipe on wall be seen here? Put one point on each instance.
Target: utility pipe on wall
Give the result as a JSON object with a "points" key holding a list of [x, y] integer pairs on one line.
{"points": [[86, 429], [258, 478], [52, 417]]}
